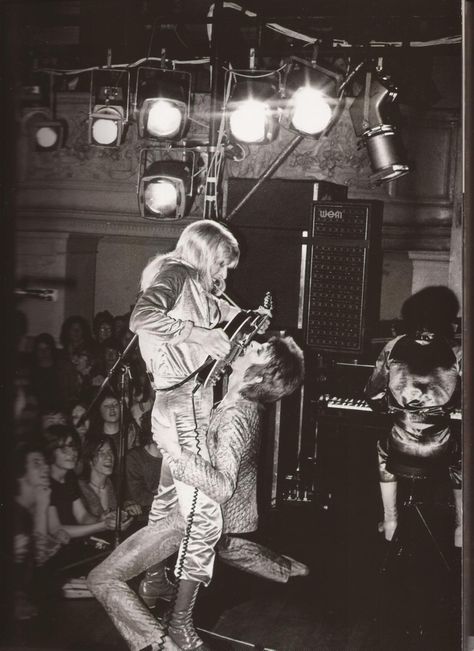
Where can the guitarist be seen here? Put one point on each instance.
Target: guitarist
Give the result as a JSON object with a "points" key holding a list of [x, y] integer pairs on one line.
{"points": [[264, 373], [175, 318]]}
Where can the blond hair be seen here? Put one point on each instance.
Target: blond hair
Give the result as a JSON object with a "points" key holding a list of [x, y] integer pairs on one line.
{"points": [[199, 246]]}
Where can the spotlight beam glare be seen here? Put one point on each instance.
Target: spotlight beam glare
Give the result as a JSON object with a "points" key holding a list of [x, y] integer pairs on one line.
{"points": [[46, 137], [248, 121], [312, 111], [164, 119], [105, 132], [161, 197]]}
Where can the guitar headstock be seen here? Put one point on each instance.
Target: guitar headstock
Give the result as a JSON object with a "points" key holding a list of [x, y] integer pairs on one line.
{"points": [[268, 301]]}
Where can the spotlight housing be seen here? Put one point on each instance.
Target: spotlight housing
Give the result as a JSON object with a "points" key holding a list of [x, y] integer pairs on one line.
{"points": [[108, 106], [162, 103], [253, 110], [44, 132], [373, 115], [166, 188], [313, 103]]}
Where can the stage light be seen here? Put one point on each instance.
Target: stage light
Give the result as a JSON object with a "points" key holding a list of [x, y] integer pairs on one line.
{"points": [[44, 132], [312, 96], [253, 110], [162, 103], [166, 188], [373, 115], [108, 106]]}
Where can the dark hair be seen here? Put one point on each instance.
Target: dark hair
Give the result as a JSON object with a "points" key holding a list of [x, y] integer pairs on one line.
{"points": [[423, 358], [281, 375], [145, 435], [44, 338], [99, 319], [86, 331], [20, 456], [55, 436], [433, 309], [97, 422], [92, 446]]}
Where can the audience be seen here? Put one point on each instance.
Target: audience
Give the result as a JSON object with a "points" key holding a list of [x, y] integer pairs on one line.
{"points": [[103, 326], [53, 380], [75, 337], [107, 423], [64, 499], [67, 510], [108, 352], [96, 486], [143, 467], [34, 542]]}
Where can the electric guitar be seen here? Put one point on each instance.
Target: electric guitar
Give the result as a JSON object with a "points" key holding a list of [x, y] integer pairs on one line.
{"points": [[240, 330]]}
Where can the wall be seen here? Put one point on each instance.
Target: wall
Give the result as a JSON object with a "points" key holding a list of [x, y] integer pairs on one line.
{"points": [[90, 192]]}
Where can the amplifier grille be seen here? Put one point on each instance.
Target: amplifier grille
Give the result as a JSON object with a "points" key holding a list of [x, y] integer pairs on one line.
{"points": [[344, 275]]}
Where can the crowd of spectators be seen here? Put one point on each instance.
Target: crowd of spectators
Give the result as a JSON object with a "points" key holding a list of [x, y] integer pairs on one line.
{"points": [[70, 430]]}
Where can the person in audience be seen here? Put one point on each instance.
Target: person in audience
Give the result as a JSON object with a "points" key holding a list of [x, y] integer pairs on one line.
{"points": [[264, 373], [142, 392], [75, 337], [54, 416], [120, 326], [106, 422], [83, 364], [33, 541], [103, 326], [53, 380], [67, 509], [26, 412], [81, 424], [417, 380], [142, 469], [97, 488], [108, 353]]}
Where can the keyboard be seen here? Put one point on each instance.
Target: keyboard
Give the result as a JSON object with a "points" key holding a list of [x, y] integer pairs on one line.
{"points": [[352, 404]]}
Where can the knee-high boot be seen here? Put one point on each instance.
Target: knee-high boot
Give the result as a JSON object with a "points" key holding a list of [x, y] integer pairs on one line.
{"points": [[181, 628], [458, 522], [155, 585], [388, 491]]}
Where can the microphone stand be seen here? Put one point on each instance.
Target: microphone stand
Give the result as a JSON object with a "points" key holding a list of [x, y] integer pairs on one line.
{"points": [[115, 368], [123, 369], [119, 487]]}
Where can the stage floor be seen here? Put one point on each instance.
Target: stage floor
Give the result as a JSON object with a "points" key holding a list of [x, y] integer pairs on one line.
{"points": [[345, 604]]}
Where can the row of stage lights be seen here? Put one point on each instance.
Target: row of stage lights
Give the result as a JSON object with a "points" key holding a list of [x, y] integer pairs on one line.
{"points": [[302, 96]]}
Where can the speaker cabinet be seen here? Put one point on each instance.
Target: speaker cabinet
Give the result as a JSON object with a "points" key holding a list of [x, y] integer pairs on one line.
{"points": [[344, 275]]}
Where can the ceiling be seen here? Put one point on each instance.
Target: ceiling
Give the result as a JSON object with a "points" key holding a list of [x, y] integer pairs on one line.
{"points": [[75, 33]]}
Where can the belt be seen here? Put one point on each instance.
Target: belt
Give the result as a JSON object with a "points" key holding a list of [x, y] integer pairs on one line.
{"points": [[174, 386]]}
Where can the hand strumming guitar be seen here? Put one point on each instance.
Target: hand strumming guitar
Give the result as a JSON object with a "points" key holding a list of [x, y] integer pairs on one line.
{"points": [[214, 342]]}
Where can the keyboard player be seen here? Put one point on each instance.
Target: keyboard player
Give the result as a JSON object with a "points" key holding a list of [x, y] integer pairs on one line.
{"points": [[416, 379]]}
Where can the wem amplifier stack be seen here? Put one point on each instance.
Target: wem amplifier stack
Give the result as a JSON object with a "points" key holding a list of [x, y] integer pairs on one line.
{"points": [[344, 275]]}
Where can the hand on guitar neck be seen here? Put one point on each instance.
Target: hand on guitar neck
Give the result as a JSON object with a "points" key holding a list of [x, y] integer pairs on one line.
{"points": [[239, 332]]}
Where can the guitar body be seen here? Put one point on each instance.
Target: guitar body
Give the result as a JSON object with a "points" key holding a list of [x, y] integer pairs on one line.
{"points": [[240, 330]]}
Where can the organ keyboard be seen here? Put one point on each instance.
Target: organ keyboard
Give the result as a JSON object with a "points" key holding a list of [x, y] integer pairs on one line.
{"points": [[358, 404]]}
